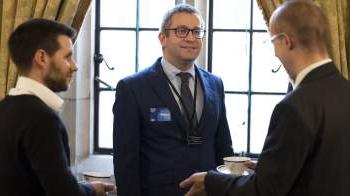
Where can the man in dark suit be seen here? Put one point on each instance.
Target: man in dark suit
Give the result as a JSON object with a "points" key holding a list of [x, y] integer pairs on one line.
{"points": [[169, 119], [307, 148], [34, 152]]}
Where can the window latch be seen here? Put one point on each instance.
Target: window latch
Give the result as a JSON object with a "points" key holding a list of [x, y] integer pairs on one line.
{"points": [[98, 58]]}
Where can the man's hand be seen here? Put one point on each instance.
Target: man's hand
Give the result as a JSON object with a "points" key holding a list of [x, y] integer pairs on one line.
{"points": [[101, 188], [196, 182]]}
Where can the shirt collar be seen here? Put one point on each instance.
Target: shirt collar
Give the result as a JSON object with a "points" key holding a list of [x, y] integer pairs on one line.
{"points": [[301, 75], [171, 71], [27, 86]]}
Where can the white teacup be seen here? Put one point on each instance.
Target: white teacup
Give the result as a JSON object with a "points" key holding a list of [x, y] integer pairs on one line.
{"points": [[236, 164]]}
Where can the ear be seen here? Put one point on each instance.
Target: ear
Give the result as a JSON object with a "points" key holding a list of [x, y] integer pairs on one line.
{"points": [[162, 38], [289, 41], [41, 58]]}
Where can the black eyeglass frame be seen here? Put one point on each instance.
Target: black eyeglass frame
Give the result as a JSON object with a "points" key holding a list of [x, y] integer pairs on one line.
{"points": [[182, 32]]}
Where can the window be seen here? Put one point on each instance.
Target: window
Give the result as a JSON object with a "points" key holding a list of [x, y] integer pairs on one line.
{"points": [[124, 29], [239, 54], [236, 52]]}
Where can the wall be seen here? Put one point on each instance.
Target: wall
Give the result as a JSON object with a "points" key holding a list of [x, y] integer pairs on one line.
{"points": [[76, 113]]}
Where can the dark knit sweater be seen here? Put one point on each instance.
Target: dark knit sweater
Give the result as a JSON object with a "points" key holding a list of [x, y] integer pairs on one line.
{"points": [[34, 152]]}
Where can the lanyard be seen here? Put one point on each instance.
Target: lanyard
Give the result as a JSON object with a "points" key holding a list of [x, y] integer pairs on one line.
{"points": [[187, 114]]}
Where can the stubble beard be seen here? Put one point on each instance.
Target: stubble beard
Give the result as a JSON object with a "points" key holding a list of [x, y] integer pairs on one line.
{"points": [[56, 80]]}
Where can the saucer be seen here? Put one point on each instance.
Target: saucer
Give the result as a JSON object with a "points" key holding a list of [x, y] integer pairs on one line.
{"points": [[96, 174], [223, 169]]}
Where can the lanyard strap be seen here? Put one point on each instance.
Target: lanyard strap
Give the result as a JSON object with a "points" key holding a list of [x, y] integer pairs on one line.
{"points": [[189, 117]]}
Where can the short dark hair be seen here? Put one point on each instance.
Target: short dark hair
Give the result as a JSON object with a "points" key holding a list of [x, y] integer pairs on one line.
{"points": [[180, 8], [36, 34], [306, 21]]}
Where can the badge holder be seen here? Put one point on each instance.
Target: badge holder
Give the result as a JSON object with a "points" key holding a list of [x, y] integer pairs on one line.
{"points": [[194, 140]]}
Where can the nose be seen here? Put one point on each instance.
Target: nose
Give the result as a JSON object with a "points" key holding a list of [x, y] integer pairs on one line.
{"points": [[74, 66]]}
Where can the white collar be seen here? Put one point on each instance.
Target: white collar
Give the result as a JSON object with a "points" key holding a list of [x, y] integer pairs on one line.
{"points": [[27, 86], [171, 71], [301, 75]]}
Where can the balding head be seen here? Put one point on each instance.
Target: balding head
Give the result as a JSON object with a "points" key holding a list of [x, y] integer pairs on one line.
{"points": [[305, 22]]}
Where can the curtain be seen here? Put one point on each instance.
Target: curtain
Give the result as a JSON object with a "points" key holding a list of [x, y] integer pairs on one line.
{"points": [[15, 12], [338, 12]]}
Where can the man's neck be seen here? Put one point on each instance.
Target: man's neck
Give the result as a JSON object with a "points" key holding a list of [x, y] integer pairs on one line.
{"points": [[301, 61], [181, 65], [34, 75]]}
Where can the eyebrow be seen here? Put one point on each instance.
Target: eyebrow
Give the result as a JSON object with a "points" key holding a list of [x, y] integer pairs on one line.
{"points": [[69, 54], [184, 26]]}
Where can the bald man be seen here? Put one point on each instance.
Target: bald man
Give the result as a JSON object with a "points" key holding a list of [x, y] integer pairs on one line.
{"points": [[307, 148]]}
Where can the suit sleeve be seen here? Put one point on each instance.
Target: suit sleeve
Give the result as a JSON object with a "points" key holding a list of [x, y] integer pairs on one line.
{"points": [[126, 142], [223, 143], [46, 149], [288, 143]]}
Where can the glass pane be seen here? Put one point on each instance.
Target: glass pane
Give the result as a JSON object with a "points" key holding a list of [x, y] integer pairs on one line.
{"points": [[234, 14], [152, 11], [231, 59], [236, 111], [264, 61], [258, 18], [118, 49], [106, 119], [118, 13], [150, 48], [261, 110]]}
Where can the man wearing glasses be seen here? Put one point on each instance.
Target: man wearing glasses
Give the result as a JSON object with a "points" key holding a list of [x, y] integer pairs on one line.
{"points": [[170, 119], [307, 148]]}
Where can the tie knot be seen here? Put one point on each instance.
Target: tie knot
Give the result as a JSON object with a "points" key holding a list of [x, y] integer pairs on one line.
{"points": [[184, 76]]}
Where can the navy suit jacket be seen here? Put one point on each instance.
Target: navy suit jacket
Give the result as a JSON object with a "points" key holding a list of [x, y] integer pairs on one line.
{"points": [[151, 156], [307, 148]]}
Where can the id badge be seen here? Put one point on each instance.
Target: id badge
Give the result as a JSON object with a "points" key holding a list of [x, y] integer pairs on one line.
{"points": [[160, 115]]}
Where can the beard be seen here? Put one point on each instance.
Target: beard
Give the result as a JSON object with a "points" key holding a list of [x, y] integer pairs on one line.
{"points": [[55, 80]]}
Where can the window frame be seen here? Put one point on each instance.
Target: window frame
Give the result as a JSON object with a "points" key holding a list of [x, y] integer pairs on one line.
{"points": [[250, 92], [208, 54]]}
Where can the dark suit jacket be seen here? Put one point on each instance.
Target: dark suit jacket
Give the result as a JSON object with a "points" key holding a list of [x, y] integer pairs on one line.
{"points": [[34, 152], [151, 156], [307, 148]]}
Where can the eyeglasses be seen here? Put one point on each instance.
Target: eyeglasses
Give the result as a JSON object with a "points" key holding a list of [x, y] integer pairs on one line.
{"points": [[182, 32], [274, 37]]}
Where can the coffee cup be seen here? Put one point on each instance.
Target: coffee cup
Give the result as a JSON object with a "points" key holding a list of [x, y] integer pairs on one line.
{"points": [[236, 164]]}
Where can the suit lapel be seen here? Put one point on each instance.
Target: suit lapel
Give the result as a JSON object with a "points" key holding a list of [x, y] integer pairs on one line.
{"points": [[160, 85], [207, 101]]}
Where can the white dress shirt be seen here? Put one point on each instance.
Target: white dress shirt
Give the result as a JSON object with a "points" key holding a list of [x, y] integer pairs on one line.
{"points": [[171, 71]]}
